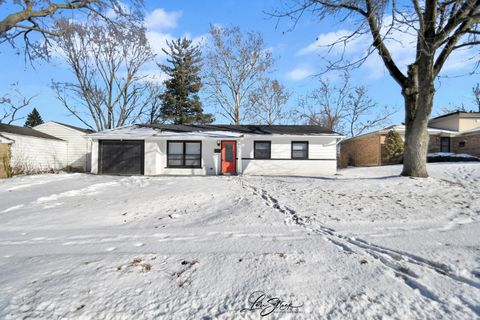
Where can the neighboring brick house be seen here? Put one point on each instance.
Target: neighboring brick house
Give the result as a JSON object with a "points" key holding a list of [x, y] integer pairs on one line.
{"points": [[457, 132]]}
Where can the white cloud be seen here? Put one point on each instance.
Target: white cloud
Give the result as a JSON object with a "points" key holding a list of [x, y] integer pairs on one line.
{"points": [[158, 41], [461, 60], [324, 42], [159, 19], [157, 23], [299, 73], [112, 13], [200, 40]]}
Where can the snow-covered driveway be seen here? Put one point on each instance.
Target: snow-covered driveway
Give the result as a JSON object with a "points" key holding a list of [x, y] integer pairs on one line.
{"points": [[362, 244]]}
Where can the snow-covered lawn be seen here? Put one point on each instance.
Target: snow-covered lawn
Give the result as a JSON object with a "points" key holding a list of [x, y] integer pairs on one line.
{"points": [[363, 244]]}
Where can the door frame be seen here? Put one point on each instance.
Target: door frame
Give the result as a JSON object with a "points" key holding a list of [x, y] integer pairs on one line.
{"points": [[234, 156], [449, 144]]}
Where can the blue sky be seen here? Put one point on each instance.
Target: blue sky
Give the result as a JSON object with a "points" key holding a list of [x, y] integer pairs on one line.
{"points": [[298, 55]]}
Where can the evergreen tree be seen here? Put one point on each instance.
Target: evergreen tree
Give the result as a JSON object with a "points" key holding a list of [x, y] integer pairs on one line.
{"points": [[393, 145], [33, 119], [180, 102]]}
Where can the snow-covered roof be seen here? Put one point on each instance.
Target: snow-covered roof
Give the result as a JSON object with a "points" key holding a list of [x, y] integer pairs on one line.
{"points": [[400, 128], [254, 129], [83, 130], [24, 131], [430, 130], [141, 132], [471, 132], [207, 131], [460, 114]]}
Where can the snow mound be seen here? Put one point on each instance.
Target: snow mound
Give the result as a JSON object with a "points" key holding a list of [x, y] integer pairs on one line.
{"points": [[450, 157]]}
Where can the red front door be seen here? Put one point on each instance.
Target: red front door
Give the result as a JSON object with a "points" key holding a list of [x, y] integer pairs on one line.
{"points": [[229, 157]]}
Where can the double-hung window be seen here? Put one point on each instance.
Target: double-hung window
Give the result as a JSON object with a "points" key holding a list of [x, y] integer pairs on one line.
{"points": [[184, 154], [299, 149], [262, 149]]}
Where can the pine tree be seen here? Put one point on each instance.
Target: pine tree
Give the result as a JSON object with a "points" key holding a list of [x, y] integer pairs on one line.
{"points": [[393, 145], [180, 101], [33, 119]]}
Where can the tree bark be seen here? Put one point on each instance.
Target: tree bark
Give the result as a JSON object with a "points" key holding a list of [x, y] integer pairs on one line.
{"points": [[418, 96], [415, 149]]}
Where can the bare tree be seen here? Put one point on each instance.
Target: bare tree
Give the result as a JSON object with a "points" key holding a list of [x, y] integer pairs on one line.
{"points": [[476, 95], [325, 106], [440, 28], [106, 60], [153, 114], [235, 65], [12, 103], [363, 114], [451, 108], [268, 102], [342, 108], [25, 18]]}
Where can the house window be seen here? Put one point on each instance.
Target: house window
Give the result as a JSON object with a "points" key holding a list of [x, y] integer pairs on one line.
{"points": [[299, 150], [184, 154], [262, 149]]}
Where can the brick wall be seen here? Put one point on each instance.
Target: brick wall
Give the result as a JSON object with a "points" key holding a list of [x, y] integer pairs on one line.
{"points": [[361, 152], [367, 151], [4, 157], [434, 144], [471, 145]]}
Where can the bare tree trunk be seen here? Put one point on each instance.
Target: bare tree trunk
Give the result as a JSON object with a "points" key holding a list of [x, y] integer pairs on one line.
{"points": [[415, 148], [418, 105]]}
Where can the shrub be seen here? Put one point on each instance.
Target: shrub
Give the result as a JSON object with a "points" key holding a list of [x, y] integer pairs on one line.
{"points": [[7, 166], [393, 146]]}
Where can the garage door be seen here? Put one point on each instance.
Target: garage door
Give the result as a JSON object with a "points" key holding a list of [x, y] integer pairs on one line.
{"points": [[121, 157]]}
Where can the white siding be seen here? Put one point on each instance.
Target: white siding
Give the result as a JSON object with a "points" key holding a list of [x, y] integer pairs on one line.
{"points": [[319, 147], [94, 157], [289, 167], [322, 157], [156, 159], [78, 145], [32, 154]]}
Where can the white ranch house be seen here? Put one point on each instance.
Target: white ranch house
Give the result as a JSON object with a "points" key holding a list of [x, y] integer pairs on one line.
{"points": [[78, 149], [298, 150], [31, 151]]}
